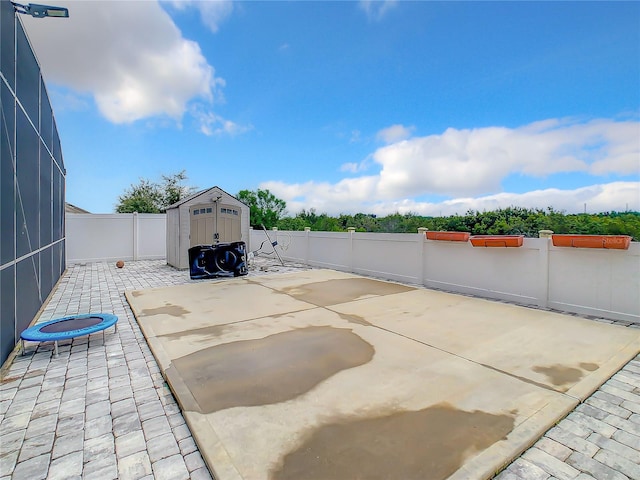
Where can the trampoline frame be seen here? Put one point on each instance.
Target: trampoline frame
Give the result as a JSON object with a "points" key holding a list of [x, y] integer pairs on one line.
{"points": [[34, 333]]}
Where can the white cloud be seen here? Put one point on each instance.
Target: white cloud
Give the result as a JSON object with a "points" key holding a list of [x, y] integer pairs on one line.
{"points": [[376, 9], [350, 167], [469, 166], [212, 12], [70, 101], [215, 125], [463, 162], [323, 197], [598, 198], [348, 194], [394, 133], [353, 167], [129, 56]]}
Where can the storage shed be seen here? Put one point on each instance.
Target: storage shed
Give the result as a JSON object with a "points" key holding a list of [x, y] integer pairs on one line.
{"points": [[205, 218]]}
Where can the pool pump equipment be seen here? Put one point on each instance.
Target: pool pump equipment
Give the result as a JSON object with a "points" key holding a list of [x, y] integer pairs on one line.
{"points": [[219, 260]]}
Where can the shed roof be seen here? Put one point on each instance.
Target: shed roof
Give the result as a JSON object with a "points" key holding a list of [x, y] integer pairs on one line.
{"points": [[199, 193]]}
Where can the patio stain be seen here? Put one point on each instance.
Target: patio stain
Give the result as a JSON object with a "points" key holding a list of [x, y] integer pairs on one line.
{"points": [[560, 375], [589, 367], [343, 290], [4, 380], [430, 443], [357, 319], [172, 310], [205, 333], [269, 370]]}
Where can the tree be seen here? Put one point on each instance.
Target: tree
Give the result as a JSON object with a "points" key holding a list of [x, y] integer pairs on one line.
{"points": [[172, 189], [265, 208], [503, 221], [151, 197]]}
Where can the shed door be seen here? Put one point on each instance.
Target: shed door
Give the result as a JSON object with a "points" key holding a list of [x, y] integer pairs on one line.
{"points": [[211, 224], [202, 224], [229, 223]]}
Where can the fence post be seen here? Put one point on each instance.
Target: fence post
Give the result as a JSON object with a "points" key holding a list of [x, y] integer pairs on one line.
{"points": [[135, 236], [543, 301], [307, 247], [351, 231], [421, 237]]}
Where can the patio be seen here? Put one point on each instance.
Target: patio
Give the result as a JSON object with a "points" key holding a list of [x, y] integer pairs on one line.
{"points": [[102, 409]]}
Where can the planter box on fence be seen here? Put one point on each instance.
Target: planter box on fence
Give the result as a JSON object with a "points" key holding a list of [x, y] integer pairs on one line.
{"points": [[619, 242], [448, 236], [496, 240]]}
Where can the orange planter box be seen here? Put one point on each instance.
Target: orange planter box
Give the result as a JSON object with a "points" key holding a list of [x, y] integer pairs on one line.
{"points": [[619, 242], [497, 240], [448, 236]]}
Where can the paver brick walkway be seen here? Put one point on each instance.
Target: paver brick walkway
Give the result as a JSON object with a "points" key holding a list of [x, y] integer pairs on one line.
{"points": [[102, 410]]}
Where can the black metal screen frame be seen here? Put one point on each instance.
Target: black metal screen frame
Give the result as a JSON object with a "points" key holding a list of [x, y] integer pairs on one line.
{"points": [[32, 185]]}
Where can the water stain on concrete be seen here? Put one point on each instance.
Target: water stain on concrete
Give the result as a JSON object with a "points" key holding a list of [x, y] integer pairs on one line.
{"points": [[269, 370], [589, 367], [342, 290], [136, 293], [203, 334], [426, 444], [172, 310], [560, 375], [357, 319]]}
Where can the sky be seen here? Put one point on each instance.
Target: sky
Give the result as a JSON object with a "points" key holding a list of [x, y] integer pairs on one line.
{"points": [[430, 108]]}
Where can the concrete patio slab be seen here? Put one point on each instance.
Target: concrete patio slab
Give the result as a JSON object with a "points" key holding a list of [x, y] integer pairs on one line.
{"points": [[552, 350], [206, 306], [321, 374]]}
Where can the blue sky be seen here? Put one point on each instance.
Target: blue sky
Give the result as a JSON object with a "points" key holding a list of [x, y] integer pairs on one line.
{"points": [[376, 107]]}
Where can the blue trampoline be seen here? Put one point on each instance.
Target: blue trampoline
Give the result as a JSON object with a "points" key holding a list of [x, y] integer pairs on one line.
{"points": [[68, 327]]}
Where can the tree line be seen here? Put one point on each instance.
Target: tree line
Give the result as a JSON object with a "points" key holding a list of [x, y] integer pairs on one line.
{"points": [[268, 210], [503, 221]]}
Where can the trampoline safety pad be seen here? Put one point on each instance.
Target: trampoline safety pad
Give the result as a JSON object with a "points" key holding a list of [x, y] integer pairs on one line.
{"points": [[327, 375]]}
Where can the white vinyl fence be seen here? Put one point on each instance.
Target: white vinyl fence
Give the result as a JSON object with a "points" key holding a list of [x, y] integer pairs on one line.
{"points": [[116, 236], [598, 282]]}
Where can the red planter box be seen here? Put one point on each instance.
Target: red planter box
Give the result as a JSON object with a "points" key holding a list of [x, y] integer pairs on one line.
{"points": [[497, 240], [448, 236], [619, 242]]}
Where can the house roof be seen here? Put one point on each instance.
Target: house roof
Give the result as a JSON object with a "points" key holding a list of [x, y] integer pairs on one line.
{"points": [[70, 208]]}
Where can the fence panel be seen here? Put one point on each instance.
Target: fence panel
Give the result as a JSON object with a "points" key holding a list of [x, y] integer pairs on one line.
{"points": [[501, 273], [117, 236], [586, 281], [597, 282], [393, 256]]}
